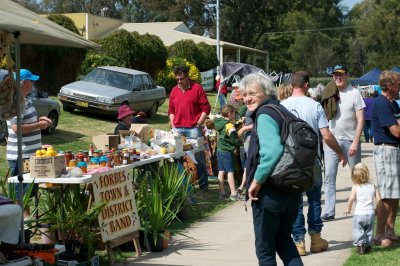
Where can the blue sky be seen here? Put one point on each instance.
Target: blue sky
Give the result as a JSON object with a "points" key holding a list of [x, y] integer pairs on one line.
{"points": [[350, 3]]}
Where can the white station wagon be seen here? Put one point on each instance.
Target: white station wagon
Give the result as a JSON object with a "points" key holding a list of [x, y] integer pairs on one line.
{"points": [[105, 88]]}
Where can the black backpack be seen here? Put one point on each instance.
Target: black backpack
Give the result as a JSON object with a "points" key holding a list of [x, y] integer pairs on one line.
{"points": [[294, 171]]}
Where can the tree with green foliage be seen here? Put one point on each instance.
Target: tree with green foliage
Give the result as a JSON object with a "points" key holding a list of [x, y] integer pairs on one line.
{"points": [[153, 60], [204, 56], [378, 30], [207, 57], [93, 60], [64, 21], [184, 49], [123, 46]]}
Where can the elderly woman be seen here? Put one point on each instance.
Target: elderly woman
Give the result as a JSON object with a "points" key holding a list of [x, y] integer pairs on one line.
{"points": [[274, 211]]}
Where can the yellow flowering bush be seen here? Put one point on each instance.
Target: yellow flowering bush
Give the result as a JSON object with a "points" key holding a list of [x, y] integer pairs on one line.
{"points": [[166, 77]]}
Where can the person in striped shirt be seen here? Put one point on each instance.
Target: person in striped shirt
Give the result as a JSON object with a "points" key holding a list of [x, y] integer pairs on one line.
{"points": [[31, 127]]}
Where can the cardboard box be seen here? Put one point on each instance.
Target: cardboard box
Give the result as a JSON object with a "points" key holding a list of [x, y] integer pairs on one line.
{"points": [[47, 167], [143, 131], [100, 141], [197, 143]]}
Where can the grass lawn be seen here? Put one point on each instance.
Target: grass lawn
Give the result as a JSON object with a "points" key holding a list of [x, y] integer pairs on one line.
{"points": [[379, 256], [75, 130]]}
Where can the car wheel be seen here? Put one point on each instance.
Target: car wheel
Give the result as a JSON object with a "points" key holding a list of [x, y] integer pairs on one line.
{"points": [[153, 110], [68, 108], [53, 116], [3, 130]]}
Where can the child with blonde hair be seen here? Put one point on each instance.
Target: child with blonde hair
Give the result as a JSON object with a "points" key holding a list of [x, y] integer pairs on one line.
{"points": [[363, 194]]}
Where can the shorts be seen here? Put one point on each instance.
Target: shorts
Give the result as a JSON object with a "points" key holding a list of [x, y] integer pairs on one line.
{"points": [[225, 161], [387, 168]]}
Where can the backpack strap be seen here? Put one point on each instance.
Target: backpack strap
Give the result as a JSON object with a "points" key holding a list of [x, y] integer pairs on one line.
{"points": [[284, 130]]}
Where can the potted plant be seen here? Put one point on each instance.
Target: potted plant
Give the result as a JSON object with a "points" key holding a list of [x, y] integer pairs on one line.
{"points": [[75, 222], [160, 199]]}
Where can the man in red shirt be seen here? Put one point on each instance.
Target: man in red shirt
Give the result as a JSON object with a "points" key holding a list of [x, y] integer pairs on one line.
{"points": [[187, 110]]}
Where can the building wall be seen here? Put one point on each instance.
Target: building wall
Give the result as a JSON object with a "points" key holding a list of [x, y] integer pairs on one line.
{"points": [[93, 27]]}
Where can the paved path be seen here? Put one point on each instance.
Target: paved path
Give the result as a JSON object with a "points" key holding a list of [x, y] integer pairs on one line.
{"points": [[227, 238]]}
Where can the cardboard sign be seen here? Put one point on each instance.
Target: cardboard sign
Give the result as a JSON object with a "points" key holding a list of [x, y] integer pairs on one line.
{"points": [[47, 167], [120, 216]]}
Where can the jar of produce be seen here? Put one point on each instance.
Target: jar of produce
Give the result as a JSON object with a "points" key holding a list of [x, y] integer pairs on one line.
{"points": [[97, 153], [117, 158], [83, 166], [68, 157], [103, 161], [110, 161], [125, 159], [91, 149], [72, 163], [80, 157]]}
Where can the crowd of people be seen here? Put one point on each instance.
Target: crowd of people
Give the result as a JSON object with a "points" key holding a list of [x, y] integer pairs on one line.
{"points": [[340, 114], [339, 118]]}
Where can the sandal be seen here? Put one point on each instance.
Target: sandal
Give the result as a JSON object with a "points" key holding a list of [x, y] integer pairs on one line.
{"points": [[393, 238], [384, 242]]}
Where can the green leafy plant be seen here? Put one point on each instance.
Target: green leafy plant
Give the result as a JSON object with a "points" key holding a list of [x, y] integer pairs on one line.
{"points": [[74, 221], [161, 197]]}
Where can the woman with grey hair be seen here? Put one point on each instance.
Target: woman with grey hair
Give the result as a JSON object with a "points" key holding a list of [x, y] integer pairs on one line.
{"points": [[274, 211]]}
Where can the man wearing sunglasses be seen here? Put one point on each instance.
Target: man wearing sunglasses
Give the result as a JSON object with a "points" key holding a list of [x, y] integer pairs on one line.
{"points": [[187, 111]]}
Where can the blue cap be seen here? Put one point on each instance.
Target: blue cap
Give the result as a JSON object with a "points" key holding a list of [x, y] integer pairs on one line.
{"points": [[25, 74]]}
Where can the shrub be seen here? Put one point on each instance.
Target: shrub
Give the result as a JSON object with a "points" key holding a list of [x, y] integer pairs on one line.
{"points": [[153, 60], [64, 21], [207, 57], [166, 77], [124, 47], [93, 60], [184, 49]]}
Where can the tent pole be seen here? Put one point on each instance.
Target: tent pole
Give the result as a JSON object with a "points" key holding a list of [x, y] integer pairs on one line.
{"points": [[19, 131]]}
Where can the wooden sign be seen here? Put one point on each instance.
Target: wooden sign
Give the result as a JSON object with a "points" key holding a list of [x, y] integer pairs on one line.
{"points": [[120, 217]]}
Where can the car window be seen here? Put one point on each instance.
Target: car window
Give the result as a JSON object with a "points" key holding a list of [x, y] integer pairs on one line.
{"points": [[147, 82], [110, 78], [138, 83]]}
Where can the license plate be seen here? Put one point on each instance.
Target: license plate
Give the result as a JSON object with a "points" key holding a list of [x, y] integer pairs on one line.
{"points": [[82, 104]]}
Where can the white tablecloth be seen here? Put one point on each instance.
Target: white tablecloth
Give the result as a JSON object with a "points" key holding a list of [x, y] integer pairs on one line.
{"points": [[10, 221]]}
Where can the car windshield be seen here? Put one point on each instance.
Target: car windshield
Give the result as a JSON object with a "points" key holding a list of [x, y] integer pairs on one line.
{"points": [[110, 78]]}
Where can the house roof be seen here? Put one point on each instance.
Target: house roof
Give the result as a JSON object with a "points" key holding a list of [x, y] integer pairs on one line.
{"points": [[171, 32]]}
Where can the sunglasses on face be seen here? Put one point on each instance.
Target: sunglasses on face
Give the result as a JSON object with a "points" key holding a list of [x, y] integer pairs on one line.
{"points": [[180, 79]]}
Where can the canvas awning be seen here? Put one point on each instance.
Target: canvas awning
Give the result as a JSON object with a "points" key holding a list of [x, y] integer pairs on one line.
{"points": [[370, 78], [35, 29], [29, 28]]}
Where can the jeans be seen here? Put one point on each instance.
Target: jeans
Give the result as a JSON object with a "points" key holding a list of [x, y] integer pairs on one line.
{"points": [[331, 166], [14, 172], [221, 99], [363, 229], [314, 210], [195, 132], [367, 130], [273, 216]]}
